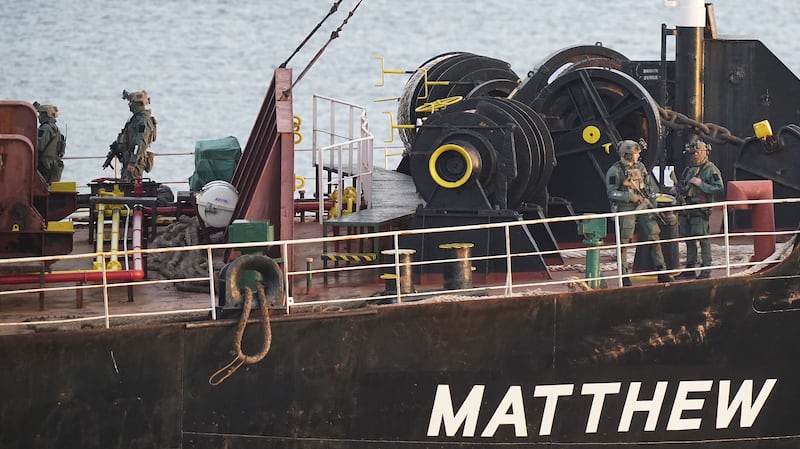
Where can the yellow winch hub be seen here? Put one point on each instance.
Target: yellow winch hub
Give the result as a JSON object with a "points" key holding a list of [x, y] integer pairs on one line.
{"points": [[462, 153], [591, 134]]}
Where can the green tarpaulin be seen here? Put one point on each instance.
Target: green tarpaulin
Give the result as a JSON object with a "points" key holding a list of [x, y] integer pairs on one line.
{"points": [[214, 160]]}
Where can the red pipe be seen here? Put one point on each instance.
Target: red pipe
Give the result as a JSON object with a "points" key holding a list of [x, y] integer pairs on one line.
{"points": [[170, 211], [136, 274], [763, 214], [310, 206]]}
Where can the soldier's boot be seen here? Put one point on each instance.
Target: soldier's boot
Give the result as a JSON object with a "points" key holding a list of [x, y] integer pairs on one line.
{"points": [[664, 277], [704, 274], [626, 282], [691, 274]]}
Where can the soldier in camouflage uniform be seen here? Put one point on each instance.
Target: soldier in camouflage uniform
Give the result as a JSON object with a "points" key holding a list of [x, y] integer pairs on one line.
{"points": [[698, 183], [50, 144], [629, 185], [135, 138]]}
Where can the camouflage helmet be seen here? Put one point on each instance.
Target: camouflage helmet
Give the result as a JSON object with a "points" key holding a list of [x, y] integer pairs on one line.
{"points": [[139, 96], [47, 109], [628, 148], [696, 145]]}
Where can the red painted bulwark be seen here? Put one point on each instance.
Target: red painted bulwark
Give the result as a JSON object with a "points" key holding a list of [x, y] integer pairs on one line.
{"points": [[18, 160], [264, 176], [20, 117]]}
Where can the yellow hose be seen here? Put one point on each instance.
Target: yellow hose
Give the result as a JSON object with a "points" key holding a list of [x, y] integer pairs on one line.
{"points": [[113, 264], [101, 218]]}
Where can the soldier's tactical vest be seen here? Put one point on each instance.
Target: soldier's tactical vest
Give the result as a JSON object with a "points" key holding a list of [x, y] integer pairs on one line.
{"points": [[694, 195], [55, 145], [143, 123], [632, 178]]}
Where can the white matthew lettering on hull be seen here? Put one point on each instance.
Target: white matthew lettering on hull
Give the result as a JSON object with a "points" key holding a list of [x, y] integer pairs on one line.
{"points": [[443, 412], [750, 411], [551, 393], [511, 409], [513, 401], [651, 406], [599, 391], [683, 403]]}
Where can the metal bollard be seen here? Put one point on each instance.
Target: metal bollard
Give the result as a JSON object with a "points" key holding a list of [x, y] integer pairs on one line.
{"points": [[309, 265], [406, 282], [593, 230], [458, 274]]}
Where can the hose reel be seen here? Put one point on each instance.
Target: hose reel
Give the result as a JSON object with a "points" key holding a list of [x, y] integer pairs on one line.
{"points": [[454, 74], [588, 111], [482, 153], [563, 61]]}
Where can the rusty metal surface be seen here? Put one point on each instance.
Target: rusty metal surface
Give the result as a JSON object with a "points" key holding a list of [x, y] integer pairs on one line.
{"points": [[24, 196], [18, 160], [56, 243], [37, 243], [92, 389], [369, 378], [19, 117], [264, 175], [60, 205]]}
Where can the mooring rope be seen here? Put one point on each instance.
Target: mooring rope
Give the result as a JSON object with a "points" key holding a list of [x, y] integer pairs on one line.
{"points": [[241, 358], [180, 264]]}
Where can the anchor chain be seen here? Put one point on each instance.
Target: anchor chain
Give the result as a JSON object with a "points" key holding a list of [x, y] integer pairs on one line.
{"points": [[709, 132]]}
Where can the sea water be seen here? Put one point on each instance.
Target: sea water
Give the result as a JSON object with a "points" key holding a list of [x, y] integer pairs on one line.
{"points": [[206, 64]]}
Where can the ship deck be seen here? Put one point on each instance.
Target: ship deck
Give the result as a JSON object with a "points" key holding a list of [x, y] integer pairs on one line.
{"points": [[314, 288], [319, 283]]}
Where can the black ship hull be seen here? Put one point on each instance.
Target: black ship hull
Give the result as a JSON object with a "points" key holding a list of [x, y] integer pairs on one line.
{"points": [[710, 362]]}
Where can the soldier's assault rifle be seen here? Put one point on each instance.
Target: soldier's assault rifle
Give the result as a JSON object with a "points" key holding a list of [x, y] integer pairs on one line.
{"points": [[682, 188], [647, 201], [114, 150]]}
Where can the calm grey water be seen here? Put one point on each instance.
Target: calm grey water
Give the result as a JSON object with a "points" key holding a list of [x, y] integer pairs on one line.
{"points": [[207, 63]]}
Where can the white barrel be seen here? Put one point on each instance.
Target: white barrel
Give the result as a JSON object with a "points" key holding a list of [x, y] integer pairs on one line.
{"points": [[216, 202]]}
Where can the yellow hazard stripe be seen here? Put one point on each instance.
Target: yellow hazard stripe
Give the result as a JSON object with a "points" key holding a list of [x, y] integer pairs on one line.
{"points": [[349, 257]]}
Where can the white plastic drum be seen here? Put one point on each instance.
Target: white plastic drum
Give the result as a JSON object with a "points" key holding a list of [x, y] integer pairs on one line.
{"points": [[216, 203]]}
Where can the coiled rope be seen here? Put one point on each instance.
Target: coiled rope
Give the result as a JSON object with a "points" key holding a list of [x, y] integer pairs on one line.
{"points": [[270, 287], [180, 264], [241, 358]]}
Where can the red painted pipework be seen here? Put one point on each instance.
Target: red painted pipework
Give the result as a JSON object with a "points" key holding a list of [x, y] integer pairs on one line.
{"points": [[763, 214], [170, 211], [136, 274]]}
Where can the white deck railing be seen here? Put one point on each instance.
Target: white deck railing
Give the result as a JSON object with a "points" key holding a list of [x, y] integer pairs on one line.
{"points": [[298, 278], [342, 149]]}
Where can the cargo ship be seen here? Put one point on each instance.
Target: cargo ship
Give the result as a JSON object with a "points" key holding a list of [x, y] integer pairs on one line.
{"points": [[471, 296]]}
